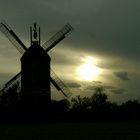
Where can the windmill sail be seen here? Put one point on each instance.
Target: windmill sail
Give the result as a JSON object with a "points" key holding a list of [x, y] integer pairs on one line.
{"points": [[11, 82], [60, 86], [60, 35], [9, 33], [55, 80]]}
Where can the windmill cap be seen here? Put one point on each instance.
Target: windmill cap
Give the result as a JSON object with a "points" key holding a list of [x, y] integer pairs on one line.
{"points": [[35, 52]]}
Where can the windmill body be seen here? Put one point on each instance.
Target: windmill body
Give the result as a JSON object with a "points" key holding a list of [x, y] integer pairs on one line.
{"points": [[35, 72]]}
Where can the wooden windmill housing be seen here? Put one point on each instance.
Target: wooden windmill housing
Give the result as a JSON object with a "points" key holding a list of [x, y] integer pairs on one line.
{"points": [[35, 69]]}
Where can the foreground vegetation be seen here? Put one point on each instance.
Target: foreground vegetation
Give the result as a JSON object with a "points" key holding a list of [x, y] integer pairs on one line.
{"points": [[85, 109], [70, 131]]}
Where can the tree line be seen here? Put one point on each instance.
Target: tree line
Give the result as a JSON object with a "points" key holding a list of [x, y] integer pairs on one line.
{"points": [[94, 108]]}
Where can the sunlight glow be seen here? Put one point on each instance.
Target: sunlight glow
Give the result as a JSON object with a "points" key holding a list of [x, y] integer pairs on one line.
{"points": [[88, 71]]}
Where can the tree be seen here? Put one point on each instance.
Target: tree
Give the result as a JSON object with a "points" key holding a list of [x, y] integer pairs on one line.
{"points": [[10, 97], [79, 102], [99, 98]]}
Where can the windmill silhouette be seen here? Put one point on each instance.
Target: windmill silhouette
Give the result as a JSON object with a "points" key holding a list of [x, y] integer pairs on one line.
{"points": [[36, 75]]}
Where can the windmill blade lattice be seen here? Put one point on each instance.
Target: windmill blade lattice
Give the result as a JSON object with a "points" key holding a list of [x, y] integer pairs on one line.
{"points": [[11, 82], [59, 84], [60, 35], [9, 33], [55, 80]]}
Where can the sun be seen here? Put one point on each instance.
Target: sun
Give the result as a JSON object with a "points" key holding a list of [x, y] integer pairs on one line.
{"points": [[88, 71]]}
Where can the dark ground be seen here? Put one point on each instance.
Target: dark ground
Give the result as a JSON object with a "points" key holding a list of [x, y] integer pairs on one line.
{"points": [[70, 131]]}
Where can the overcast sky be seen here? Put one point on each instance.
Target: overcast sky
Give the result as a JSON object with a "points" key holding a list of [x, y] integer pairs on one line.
{"points": [[106, 30]]}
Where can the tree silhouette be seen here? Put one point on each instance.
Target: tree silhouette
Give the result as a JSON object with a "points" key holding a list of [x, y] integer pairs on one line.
{"points": [[79, 102], [99, 98], [10, 96], [92, 108]]}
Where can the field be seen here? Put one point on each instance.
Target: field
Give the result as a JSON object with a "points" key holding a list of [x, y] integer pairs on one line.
{"points": [[71, 131]]}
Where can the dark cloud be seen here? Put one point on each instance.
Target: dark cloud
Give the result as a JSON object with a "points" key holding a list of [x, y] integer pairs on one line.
{"points": [[118, 91], [115, 90], [99, 26], [122, 75], [96, 82], [91, 88], [112, 32], [73, 85], [108, 89], [108, 65]]}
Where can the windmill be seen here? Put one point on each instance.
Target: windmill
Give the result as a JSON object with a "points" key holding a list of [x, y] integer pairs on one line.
{"points": [[36, 74]]}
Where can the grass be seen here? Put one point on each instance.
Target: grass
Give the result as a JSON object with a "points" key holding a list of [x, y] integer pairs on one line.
{"points": [[71, 131]]}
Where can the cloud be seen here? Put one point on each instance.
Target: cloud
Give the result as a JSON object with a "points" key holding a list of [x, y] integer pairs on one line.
{"points": [[118, 91], [92, 87], [72, 84], [97, 82], [110, 30], [122, 75], [99, 27], [63, 56], [115, 90], [107, 88]]}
